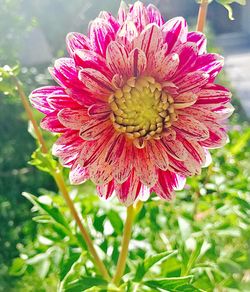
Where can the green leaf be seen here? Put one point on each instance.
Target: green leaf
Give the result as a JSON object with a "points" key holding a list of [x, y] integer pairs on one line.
{"points": [[18, 267], [115, 221], [43, 161], [85, 283], [144, 267], [52, 211], [151, 260], [169, 284]]}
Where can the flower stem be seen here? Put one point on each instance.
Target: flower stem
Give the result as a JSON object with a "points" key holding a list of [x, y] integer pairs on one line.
{"points": [[202, 15], [30, 115], [58, 177], [121, 264], [61, 185]]}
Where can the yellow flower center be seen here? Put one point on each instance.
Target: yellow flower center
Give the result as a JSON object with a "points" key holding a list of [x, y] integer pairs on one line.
{"points": [[141, 108]]}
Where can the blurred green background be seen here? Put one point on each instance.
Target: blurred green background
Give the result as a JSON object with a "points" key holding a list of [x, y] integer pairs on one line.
{"points": [[209, 220]]}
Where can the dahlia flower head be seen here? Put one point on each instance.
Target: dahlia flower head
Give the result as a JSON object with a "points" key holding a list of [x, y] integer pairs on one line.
{"points": [[136, 105]]}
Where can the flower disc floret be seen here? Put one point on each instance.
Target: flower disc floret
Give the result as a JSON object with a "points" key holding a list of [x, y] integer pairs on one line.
{"points": [[141, 109]]}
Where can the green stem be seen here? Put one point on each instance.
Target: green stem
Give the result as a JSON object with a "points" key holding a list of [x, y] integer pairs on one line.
{"points": [[58, 177], [121, 264]]}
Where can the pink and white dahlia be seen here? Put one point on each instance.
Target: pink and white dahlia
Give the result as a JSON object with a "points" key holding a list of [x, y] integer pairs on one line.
{"points": [[136, 106]]}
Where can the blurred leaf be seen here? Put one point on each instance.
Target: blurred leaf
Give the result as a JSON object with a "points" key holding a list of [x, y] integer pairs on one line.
{"points": [[171, 284], [144, 266], [85, 283], [18, 267], [115, 221], [185, 228]]}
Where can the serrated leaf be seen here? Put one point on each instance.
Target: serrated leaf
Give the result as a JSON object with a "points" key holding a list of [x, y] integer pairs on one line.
{"points": [[43, 161]]}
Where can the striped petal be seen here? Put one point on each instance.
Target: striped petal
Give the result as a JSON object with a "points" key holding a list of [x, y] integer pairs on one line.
{"points": [[73, 119], [154, 15], [101, 33], [117, 58], [95, 81], [199, 39], [137, 62], [175, 31], [93, 129], [190, 128], [77, 41]]}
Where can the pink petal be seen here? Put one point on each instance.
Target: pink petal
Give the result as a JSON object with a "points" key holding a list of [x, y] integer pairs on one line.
{"points": [[144, 168], [128, 191], [223, 112], [164, 67], [184, 100], [200, 40], [101, 33], [190, 128], [84, 97], [167, 182], [150, 40], [75, 41], [123, 167], [52, 124], [73, 119], [99, 111], [199, 113], [217, 136], [106, 191], [78, 174], [174, 148], [158, 154], [59, 100], [195, 150], [93, 129], [209, 63], [92, 150], [122, 12], [90, 59], [154, 15], [100, 172], [95, 82], [65, 73], [117, 58], [126, 34], [192, 81], [137, 62], [115, 149], [187, 55], [38, 98], [110, 19], [213, 94], [68, 147], [138, 14], [175, 31]]}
